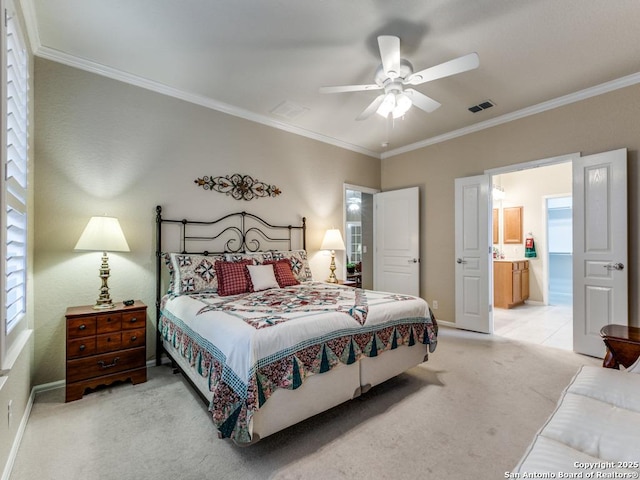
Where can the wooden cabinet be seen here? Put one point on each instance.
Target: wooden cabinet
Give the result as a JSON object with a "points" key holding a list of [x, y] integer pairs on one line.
{"points": [[510, 283], [105, 346], [512, 225]]}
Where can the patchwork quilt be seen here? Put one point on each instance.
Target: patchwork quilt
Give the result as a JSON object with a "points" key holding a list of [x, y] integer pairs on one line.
{"points": [[249, 345]]}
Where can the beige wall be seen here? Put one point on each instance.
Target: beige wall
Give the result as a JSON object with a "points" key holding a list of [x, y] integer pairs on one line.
{"points": [[103, 146], [599, 124]]}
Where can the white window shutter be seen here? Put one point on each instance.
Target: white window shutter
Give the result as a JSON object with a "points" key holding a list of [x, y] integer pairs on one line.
{"points": [[15, 175]]}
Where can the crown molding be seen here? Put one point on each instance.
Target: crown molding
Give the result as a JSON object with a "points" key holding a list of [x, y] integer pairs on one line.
{"points": [[115, 74], [606, 87]]}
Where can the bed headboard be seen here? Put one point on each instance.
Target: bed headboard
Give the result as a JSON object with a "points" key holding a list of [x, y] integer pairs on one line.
{"points": [[232, 233]]}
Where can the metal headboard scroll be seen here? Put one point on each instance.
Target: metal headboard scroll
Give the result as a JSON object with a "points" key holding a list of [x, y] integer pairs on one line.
{"points": [[233, 233]]}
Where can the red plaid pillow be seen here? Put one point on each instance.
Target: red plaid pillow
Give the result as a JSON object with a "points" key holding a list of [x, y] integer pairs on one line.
{"points": [[283, 271], [232, 277]]}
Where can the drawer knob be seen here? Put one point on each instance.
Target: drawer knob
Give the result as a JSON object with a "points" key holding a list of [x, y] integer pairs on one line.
{"points": [[134, 338], [109, 365], [82, 347], [82, 327], [133, 319]]}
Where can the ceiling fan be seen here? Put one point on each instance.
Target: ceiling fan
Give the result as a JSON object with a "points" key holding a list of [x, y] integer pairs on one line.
{"points": [[395, 73]]}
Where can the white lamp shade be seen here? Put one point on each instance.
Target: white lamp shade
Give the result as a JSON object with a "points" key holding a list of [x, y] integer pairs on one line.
{"points": [[103, 234], [332, 240]]}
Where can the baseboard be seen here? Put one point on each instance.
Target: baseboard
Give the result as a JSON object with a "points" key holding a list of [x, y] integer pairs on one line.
{"points": [[444, 323], [535, 302], [13, 453]]}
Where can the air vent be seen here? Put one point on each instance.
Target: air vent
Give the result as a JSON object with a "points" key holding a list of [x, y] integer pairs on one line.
{"points": [[481, 106], [289, 110]]}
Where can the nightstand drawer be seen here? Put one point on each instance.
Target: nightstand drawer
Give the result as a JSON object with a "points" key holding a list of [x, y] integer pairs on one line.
{"points": [[81, 327], [81, 347], [133, 338], [135, 319], [109, 322], [109, 342], [83, 368]]}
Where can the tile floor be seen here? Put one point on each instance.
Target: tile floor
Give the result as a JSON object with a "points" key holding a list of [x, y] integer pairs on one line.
{"points": [[550, 325]]}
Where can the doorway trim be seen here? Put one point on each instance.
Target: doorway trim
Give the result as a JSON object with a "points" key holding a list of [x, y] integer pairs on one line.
{"points": [[533, 164]]}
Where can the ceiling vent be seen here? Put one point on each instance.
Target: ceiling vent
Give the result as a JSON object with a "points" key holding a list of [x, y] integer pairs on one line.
{"points": [[481, 106], [289, 110]]}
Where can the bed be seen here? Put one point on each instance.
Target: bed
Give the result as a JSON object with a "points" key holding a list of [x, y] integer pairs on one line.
{"points": [[265, 345]]}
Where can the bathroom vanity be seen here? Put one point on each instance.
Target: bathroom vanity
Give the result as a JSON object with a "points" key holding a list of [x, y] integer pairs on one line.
{"points": [[510, 283]]}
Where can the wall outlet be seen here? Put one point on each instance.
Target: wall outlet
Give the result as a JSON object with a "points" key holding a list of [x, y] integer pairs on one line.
{"points": [[9, 412], [434, 304]]}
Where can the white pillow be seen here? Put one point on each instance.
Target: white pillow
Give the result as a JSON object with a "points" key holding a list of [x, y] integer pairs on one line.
{"points": [[262, 277]]}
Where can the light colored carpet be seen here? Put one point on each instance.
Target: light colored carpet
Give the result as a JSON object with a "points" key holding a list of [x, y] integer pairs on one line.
{"points": [[469, 412]]}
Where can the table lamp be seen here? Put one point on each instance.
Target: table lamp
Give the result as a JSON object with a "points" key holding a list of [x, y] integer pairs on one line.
{"points": [[103, 234], [332, 241]]}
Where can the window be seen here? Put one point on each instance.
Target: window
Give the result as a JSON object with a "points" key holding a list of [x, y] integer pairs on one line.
{"points": [[354, 241], [15, 84]]}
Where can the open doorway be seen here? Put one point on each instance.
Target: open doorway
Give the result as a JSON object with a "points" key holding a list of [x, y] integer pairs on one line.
{"points": [[358, 232], [532, 240]]}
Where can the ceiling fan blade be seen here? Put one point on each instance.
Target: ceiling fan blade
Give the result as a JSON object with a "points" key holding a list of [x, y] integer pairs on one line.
{"points": [[446, 69], [349, 88], [390, 55], [421, 101], [371, 109]]}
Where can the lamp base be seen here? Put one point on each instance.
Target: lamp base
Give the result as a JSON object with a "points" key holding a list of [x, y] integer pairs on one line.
{"points": [[103, 306], [332, 267], [104, 301]]}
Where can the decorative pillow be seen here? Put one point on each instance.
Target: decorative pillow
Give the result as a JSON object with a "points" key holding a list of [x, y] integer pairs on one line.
{"points": [[167, 261], [256, 257], [194, 273], [262, 277], [232, 277], [283, 272], [299, 263]]}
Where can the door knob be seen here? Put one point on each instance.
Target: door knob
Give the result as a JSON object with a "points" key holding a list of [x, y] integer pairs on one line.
{"points": [[459, 260], [614, 266], [413, 260]]}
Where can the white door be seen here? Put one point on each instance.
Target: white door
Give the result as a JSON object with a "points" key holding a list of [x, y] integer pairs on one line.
{"points": [[600, 290], [397, 241], [472, 244]]}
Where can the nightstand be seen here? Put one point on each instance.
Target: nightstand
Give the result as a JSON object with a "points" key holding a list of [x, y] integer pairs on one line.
{"points": [[623, 345], [104, 346]]}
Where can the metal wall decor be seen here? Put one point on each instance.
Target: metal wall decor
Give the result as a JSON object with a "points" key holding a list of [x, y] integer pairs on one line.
{"points": [[240, 187]]}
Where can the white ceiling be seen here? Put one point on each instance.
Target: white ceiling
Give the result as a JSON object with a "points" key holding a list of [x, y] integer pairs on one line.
{"points": [[245, 57]]}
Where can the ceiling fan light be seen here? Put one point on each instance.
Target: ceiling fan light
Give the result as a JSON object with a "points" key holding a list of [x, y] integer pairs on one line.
{"points": [[387, 105], [403, 104]]}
